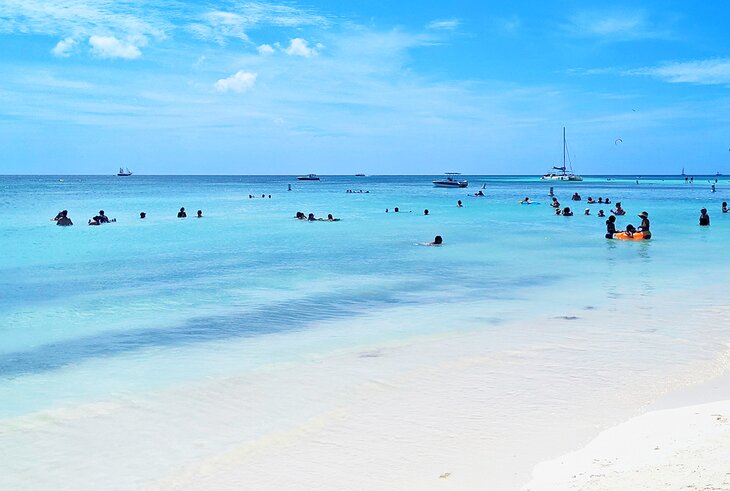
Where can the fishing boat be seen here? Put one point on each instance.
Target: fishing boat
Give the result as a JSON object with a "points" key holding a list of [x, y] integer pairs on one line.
{"points": [[450, 181], [309, 177], [123, 173], [562, 174], [359, 175]]}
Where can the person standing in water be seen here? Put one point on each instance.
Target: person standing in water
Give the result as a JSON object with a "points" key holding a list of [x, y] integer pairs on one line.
{"points": [[610, 226], [63, 220], [644, 227], [181, 213], [704, 218]]}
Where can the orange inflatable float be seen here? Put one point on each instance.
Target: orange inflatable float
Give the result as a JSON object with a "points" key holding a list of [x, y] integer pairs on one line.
{"points": [[625, 236]]}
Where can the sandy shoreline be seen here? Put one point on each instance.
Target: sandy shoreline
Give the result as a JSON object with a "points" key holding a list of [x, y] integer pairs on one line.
{"points": [[462, 411], [681, 442]]}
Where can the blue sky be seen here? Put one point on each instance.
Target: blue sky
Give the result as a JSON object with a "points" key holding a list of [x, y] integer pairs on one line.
{"points": [[239, 87]]}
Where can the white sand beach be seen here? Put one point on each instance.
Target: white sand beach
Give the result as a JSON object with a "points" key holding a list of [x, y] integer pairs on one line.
{"points": [[462, 411], [672, 449]]}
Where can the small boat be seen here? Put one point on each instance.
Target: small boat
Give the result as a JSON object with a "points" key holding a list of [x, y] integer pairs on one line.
{"points": [[359, 175], [563, 173], [122, 172], [450, 181], [309, 177]]}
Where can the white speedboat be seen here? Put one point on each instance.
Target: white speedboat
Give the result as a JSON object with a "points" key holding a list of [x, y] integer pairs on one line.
{"points": [[309, 177], [450, 181], [562, 174]]}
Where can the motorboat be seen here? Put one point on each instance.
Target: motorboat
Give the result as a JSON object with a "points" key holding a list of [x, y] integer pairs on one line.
{"points": [[450, 181], [309, 177], [123, 173], [562, 174]]}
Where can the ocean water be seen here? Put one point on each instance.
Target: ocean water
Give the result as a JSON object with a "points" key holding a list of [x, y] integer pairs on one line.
{"points": [[137, 307]]}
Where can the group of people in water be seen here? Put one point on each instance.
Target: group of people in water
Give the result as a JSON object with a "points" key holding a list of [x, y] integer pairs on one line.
{"points": [[311, 218], [62, 219]]}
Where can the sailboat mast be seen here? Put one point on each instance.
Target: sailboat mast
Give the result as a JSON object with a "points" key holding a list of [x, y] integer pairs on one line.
{"points": [[563, 149]]}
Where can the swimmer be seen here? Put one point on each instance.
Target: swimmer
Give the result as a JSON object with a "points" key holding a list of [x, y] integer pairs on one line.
{"points": [[607, 201], [630, 230], [601, 214], [437, 241], [610, 227], [479, 193], [644, 227], [600, 200], [591, 201], [425, 212], [63, 220], [311, 218], [459, 204], [526, 201], [724, 206], [59, 215], [567, 212], [704, 218], [142, 215], [181, 213], [575, 197], [330, 218], [396, 209], [587, 212], [101, 217], [555, 203], [200, 213], [618, 210], [557, 212]]}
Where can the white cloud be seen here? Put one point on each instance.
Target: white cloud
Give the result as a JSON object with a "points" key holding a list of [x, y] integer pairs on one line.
{"points": [[64, 47], [443, 24], [701, 72], [219, 25], [300, 47], [111, 47], [614, 25], [265, 49], [240, 81]]}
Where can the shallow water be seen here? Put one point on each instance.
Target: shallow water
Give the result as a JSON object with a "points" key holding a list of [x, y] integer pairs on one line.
{"points": [[128, 309]]}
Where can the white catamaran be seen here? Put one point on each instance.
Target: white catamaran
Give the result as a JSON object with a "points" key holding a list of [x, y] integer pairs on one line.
{"points": [[563, 174]]}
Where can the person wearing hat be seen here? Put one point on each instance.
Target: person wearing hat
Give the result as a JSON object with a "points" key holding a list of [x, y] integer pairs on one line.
{"points": [[704, 217], [644, 227]]}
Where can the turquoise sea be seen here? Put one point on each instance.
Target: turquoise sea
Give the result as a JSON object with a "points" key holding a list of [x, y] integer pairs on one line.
{"points": [[131, 308]]}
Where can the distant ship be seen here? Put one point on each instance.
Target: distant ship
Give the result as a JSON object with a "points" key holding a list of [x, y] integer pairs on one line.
{"points": [[450, 181], [122, 172], [563, 174], [309, 177], [359, 175]]}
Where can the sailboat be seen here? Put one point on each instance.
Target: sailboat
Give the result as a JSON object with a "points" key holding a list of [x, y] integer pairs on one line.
{"points": [[123, 173], [563, 174]]}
